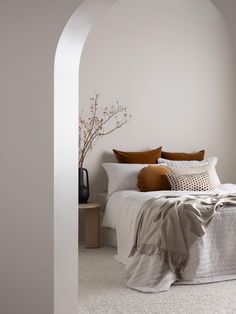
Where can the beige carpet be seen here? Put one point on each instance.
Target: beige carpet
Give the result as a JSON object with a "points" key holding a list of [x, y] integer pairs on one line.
{"points": [[102, 289]]}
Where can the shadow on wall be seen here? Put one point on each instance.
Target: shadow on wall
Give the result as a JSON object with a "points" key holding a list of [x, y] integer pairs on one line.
{"points": [[98, 185], [98, 181]]}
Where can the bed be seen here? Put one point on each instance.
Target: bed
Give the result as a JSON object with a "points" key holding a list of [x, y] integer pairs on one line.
{"points": [[212, 257]]}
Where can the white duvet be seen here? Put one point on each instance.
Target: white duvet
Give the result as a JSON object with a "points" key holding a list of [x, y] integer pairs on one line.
{"points": [[212, 258]]}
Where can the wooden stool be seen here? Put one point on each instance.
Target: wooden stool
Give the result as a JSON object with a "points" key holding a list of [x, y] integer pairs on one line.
{"points": [[92, 224]]}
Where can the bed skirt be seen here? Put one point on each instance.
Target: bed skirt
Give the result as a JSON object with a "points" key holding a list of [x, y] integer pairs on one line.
{"points": [[109, 237]]}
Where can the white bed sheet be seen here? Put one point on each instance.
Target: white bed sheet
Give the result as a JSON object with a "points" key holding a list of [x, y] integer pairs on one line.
{"points": [[123, 207]]}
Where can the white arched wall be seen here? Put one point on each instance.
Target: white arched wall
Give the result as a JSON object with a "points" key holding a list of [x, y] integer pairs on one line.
{"points": [[65, 152], [66, 78], [26, 205]]}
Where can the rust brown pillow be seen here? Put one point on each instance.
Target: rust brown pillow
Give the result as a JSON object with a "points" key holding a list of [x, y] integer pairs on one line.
{"points": [[153, 178], [183, 156], [147, 157]]}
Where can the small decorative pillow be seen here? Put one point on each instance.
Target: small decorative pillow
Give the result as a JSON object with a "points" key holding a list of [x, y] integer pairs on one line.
{"points": [[190, 182], [199, 169], [181, 165], [153, 178]]}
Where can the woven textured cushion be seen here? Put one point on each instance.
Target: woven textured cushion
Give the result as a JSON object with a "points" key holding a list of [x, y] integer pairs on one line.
{"points": [[183, 156], [199, 169], [184, 164], [153, 178], [191, 182], [146, 157]]}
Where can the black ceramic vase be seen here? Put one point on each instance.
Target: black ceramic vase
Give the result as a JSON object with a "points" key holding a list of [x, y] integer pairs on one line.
{"points": [[83, 186]]}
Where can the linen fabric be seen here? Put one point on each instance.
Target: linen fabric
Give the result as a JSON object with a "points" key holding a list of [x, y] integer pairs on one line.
{"points": [[186, 165], [183, 156], [122, 176], [168, 227], [210, 260], [146, 157]]}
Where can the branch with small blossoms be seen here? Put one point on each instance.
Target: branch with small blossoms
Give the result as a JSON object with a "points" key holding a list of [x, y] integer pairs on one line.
{"points": [[98, 125]]}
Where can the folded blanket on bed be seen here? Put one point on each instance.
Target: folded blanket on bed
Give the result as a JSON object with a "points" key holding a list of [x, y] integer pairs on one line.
{"points": [[168, 226]]}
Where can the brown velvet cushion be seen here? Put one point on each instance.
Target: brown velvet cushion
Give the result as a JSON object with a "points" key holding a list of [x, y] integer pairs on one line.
{"points": [[147, 157], [153, 178], [183, 156]]}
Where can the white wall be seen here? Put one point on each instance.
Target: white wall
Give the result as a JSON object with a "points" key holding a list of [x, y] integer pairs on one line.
{"points": [[29, 33], [228, 10], [170, 62], [66, 98]]}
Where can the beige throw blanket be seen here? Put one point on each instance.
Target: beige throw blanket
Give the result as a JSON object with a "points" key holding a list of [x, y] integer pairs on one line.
{"points": [[168, 226]]}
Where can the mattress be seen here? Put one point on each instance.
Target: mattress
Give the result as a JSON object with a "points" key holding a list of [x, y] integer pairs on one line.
{"points": [[212, 258]]}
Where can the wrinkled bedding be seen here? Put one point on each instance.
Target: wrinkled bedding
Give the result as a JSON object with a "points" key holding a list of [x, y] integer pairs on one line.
{"points": [[211, 258]]}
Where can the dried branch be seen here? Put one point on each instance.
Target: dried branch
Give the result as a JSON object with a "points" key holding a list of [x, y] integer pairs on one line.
{"points": [[95, 126]]}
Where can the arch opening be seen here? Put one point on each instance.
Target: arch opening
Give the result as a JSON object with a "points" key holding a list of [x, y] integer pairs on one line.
{"points": [[66, 100], [66, 94]]}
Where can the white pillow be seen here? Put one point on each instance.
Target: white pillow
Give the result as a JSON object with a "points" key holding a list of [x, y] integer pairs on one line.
{"points": [[122, 176], [185, 164], [180, 164]]}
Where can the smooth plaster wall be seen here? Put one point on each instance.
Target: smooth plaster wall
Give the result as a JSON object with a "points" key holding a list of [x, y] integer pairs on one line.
{"points": [[170, 62], [228, 10], [29, 33]]}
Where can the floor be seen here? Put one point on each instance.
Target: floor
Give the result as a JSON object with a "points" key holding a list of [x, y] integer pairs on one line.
{"points": [[102, 290]]}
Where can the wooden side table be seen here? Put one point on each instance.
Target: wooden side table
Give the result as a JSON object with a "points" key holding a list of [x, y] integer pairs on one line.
{"points": [[92, 224]]}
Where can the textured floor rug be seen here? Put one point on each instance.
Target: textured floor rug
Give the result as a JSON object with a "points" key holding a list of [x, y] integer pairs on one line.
{"points": [[102, 290]]}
